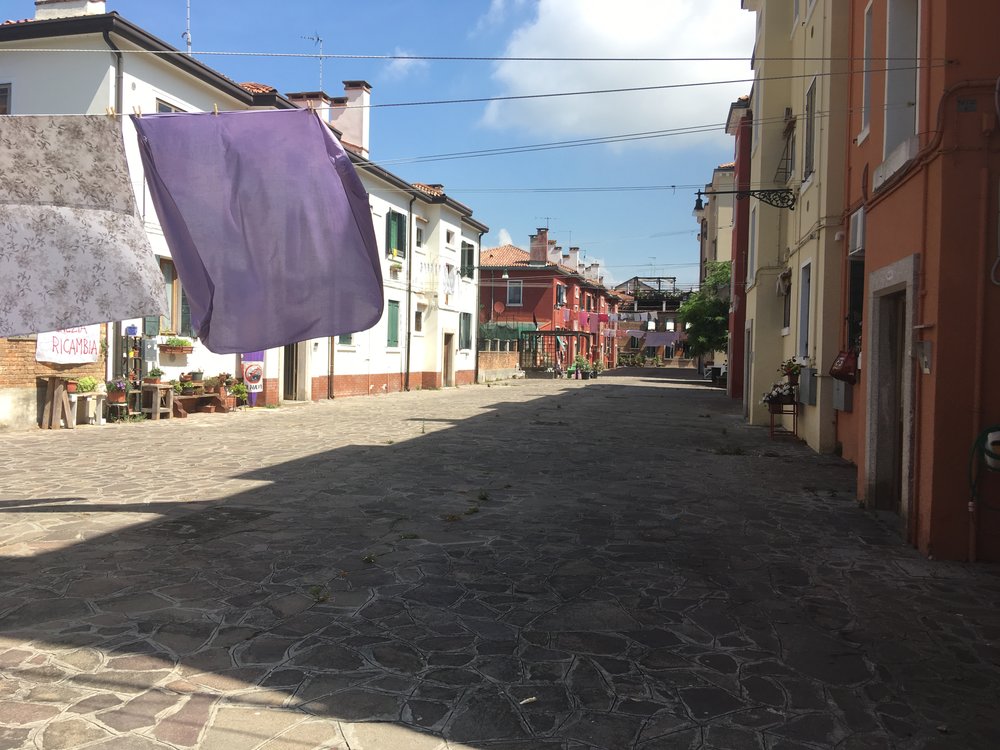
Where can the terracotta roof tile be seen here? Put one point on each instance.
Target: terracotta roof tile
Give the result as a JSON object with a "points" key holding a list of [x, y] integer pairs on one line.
{"points": [[258, 88], [505, 255], [434, 190], [21, 20], [727, 165]]}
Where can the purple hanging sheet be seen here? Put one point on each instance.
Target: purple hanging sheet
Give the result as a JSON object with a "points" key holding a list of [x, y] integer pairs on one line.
{"points": [[268, 224]]}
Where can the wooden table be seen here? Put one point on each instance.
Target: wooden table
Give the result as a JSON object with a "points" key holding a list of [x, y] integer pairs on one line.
{"points": [[160, 397]]}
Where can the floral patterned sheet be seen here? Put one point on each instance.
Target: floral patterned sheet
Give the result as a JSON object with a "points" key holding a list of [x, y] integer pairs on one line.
{"points": [[72, 246]]}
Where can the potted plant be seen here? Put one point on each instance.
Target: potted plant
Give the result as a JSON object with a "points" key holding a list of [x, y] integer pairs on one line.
{"points": [[117, 390], [239, 391], [188, 388], [153, 376], [177, 345], [211, 385], [87, 384], [197, 375], [791, 369], [176, 386], [225, 381], [597, 369], [781, 394]]}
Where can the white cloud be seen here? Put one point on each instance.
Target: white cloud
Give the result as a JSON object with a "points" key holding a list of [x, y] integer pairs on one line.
{"points": [[624, 28], [503, 236], [397, 69], [496, 13]]}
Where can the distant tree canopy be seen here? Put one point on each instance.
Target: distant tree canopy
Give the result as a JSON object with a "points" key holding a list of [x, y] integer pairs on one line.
{"points": [[706, 312]]}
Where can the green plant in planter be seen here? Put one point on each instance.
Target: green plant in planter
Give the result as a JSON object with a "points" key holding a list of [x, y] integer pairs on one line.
{"points": [[155, 373], [211, 383], [87, 384], [178, 341], [239, 390], [176, 386], [598, 366], [581, 363]]}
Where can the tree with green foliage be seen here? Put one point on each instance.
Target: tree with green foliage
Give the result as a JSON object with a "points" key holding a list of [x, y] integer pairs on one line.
{"points": [[705, 314]]}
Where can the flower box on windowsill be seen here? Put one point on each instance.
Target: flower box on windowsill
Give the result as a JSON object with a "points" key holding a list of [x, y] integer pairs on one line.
{"points": [[170, 349]]}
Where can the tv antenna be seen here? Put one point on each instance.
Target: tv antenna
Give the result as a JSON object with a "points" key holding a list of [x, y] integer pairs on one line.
{"points": [[318, 40], [547, 219], [187, 32]]}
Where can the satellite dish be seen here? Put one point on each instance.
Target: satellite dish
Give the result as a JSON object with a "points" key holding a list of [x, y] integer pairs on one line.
{"points": [[499, 307]]}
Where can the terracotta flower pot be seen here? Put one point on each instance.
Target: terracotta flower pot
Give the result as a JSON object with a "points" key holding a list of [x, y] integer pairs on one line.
{"points": [[116, 397]]}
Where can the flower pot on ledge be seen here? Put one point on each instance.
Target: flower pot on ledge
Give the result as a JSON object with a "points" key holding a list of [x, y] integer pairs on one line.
{"points": [[170, 349]]}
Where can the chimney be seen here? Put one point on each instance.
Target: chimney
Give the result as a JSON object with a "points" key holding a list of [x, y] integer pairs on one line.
{"points": [[315, 99], [539, 246], [351, 115], [574, 258], [47, 9]]}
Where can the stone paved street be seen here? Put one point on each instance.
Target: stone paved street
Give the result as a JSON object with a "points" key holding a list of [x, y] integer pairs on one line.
{"points": [[542, 564]]}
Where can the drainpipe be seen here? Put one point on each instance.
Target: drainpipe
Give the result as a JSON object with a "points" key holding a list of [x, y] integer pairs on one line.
{"points": [[409, 293], [114, 347], [329, 376], [475, 352], [977, 375]]}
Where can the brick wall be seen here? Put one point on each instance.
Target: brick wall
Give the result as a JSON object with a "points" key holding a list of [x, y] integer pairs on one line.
{"points": [[430, 380], [320, 388], [18, 368], [465, 377], [270, 395]]}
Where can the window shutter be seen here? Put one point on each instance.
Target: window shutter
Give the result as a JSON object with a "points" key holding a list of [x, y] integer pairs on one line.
{"points": [[390, 232], [393, 338], [401, 235]]}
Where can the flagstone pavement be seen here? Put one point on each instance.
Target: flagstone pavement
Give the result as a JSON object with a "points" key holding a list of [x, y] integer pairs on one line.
{"points": [[616, 564]]}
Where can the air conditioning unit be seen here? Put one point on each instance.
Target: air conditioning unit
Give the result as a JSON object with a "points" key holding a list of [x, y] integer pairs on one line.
{"points": [[856, 241]]}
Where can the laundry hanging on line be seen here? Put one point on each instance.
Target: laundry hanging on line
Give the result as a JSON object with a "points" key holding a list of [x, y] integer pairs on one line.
{"points": [[72, 251], [268, 224]]}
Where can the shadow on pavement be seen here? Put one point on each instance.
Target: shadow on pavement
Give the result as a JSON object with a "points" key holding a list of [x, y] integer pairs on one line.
{"points": [[616, 567]]}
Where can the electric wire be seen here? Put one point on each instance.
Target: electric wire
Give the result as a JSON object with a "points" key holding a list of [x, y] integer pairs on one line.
{"points": [[480, 58]]}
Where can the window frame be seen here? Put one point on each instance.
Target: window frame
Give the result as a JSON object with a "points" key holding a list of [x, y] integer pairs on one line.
{"points": [[6, 90], [418, 236], [868, 40], [176, 304], [805, 306], [809, 147], [752, 247], [418, 321], [513, 284], [345, 339], [465, 331], [395, 224], [560, 294], [166, 108], [467, 269]]}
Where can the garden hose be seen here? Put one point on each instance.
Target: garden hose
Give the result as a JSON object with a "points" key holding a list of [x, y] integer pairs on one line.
{"points": [[979, 458]]}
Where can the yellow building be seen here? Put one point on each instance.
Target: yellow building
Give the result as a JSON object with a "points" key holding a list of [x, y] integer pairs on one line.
{"points": [[794, 263]]}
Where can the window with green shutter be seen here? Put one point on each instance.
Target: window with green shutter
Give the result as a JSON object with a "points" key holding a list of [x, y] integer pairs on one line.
{"points": [[393, 338], [395, 235], [465, 331], [468, 269], [346, 339]]}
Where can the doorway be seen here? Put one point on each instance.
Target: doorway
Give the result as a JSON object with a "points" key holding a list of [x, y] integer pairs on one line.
{"points": [[448, 361], [290, 372], [889, 394]]}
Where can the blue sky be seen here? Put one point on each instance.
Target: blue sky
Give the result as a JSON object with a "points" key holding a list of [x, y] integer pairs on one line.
{"points": [[631, 233]]}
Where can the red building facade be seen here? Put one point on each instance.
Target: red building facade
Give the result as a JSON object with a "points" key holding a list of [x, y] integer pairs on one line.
{"points": [[549, 290], [922, 292]]}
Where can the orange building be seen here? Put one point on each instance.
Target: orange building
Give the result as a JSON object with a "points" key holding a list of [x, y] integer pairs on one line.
{"points": [[921, 297]]}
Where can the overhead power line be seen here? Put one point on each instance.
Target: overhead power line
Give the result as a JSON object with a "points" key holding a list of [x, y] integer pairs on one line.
{"points": [[483, 58]]}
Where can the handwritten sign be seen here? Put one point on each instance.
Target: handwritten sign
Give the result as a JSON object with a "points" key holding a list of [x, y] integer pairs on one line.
{"points": [[69, 345]]}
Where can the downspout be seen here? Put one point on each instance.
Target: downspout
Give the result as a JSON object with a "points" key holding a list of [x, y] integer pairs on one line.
{"points": [[119, 106], [409, 293], [119, 73], [977, 375], [475, 354], [329, 377]]}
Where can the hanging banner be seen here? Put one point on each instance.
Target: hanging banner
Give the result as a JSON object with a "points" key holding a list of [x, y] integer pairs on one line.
{"points": [[69, 345], [253, 376]]}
